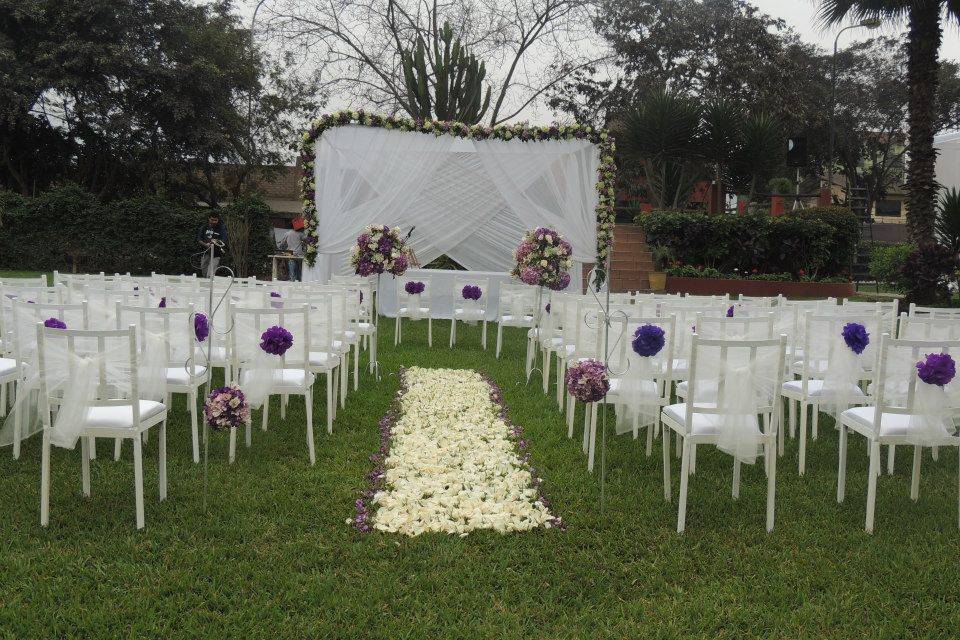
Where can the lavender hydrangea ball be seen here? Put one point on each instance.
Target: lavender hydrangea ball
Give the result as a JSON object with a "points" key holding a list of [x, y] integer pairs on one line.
{"points": [[648, 340], [937, 368], [856, 337], [276, 340]]}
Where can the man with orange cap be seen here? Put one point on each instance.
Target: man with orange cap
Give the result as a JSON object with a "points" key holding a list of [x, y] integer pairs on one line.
{"points": [[292, 243]]}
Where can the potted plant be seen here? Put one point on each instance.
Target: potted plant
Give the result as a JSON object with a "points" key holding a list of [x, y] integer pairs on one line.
{"points": [[662, 258]]}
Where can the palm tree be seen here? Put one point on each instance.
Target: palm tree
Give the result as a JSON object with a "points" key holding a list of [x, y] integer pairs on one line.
{"points": [[923, 45], [948, 220]]}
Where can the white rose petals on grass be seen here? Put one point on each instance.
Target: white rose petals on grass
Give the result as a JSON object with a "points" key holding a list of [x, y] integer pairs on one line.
{"points": [[451, 466]]}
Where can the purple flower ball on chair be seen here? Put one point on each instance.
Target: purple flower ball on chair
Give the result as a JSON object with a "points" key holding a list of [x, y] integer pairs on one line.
{"points": [[54, 323], [276, 340], [856, 337], [937, 368], [201, 327], [414, 287], [471, 292], [648, 340], [163, 303], [730, 312]]}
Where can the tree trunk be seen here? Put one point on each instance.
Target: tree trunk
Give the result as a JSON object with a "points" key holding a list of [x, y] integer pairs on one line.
{"points": [[923, 45]]}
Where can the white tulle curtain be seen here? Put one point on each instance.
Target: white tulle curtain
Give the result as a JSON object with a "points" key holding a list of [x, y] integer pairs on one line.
{"points": [[471, 200]]}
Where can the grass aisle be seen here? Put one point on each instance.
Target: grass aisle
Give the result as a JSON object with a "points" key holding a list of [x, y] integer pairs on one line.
{"points": [[274, 558]]}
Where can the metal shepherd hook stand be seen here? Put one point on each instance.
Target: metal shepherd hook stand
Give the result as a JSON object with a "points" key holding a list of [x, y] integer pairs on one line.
{"points": [[208, 354]]}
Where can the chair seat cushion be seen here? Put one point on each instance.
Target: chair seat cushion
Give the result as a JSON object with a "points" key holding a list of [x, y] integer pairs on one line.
{"points": [[405, 311], [180, 376], [323, 359], [892, 425], [646, 386], [707, 387], [8, 367], [815, 389], [704, 424], [286, 378], [477, 314], [121, 417], [509, 318], [366, 327]]}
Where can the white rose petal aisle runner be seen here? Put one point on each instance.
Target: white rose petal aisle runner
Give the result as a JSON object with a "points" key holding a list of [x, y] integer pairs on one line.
{"points": [[451, 462]]}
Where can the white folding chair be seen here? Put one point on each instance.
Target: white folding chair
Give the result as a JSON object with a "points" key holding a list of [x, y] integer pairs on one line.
{"points": [[413, 306], [469, 311]]}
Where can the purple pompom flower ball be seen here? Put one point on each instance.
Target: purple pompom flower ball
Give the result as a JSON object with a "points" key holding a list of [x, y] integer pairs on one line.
{"points": [[54, 323], [937, 368], [276, 340], [648, 340], [201, 327], [856, 337]]}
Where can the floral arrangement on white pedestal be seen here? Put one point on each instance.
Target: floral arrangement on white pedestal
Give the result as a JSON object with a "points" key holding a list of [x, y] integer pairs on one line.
{"points": [[543, 259], [380, 249], [523, 132], [448, 462]]}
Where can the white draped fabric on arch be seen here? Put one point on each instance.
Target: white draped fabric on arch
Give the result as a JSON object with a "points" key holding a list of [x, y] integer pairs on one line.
{"points": [[468, 199]]}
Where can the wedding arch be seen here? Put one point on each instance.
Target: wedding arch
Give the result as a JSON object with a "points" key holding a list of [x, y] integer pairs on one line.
{"points": [[469, 191]]}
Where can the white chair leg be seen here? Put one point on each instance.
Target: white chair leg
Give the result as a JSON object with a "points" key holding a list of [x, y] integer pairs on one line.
{"points": [[935, 452], [842, 466], [666, 464], [793, 417], [162, 460], [483, 336], [586, 428], [233, 445], [891, 450], [593, 435], [650, 436], [331, 407], [396, 331], [429, 331], [500, 344], [117, 446], [528, 360], [138, 479], [571, 411], [561, 368], [308, 402], [771, 488], [693, 459], [194, 427], [283, 406], [373, 349], [915, 475], [814, 432], [265, 413], [3, 399], [453, 332], [45, 480], [872, 485], [17, 430], [679, 445], [85, 466], [736, 479], [93, 448], [547, 357], [344, 368], [684, 482], [356, 366], [802, 464]]}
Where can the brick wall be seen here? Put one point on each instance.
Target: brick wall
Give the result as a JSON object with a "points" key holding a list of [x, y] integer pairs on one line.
{"points": [[631, 261]]}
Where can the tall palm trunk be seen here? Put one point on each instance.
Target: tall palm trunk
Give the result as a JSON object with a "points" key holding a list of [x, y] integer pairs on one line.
{"points": [[923, 43]]}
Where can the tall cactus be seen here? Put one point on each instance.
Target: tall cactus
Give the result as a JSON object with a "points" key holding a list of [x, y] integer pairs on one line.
{"points": [[457, 80]]}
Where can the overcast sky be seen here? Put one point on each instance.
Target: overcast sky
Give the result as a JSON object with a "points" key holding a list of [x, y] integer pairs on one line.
{"points": [[802, 16]]}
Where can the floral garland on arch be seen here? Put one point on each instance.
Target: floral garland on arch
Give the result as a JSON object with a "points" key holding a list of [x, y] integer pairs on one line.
{"points": [[606, 170]]}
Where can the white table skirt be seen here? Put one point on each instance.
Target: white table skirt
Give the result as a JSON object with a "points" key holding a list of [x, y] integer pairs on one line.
{"points": [[442, 294]]}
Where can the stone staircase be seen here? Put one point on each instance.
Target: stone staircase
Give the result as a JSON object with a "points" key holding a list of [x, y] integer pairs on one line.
{"points": [[631, 261]]}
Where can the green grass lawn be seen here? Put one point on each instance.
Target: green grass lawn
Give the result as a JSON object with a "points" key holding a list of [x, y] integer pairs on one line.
{"points": [[273, 557]]}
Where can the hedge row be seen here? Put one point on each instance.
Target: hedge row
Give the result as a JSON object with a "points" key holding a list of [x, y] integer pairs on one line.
{"points": [[815, 243], [68, 229]]}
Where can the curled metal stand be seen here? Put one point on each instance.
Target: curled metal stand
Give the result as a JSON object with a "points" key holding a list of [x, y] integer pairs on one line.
{"points": [[374, 363], [208, 355], [537, 316]]}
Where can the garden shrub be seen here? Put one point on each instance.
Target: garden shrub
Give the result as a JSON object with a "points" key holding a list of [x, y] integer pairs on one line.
{"points": [[927, 273], [67, 229], [887, 260], [817, 243]]}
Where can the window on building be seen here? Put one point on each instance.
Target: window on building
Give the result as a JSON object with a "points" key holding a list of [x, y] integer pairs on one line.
{"points": [[889, 208]]}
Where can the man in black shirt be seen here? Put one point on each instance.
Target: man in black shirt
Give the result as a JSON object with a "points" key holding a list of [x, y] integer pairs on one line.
{"points": [[214, 233]]}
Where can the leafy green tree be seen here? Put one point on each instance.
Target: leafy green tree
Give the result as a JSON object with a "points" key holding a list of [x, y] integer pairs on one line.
{"points": [[924, 35], [948, 219], [128, 97]]}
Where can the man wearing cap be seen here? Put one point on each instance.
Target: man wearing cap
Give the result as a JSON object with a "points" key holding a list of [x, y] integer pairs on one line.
{"points": [[292, 243]]}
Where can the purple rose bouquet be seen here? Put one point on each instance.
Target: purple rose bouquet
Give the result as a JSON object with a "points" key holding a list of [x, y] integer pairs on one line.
{"points": [[414, 287], [856, 337], [201, 326], [54, 323], [937, 368], [471, 292], [379, 249], [226, 408], [648, 340], [544, 259], [276, 340], [587, 380]]}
